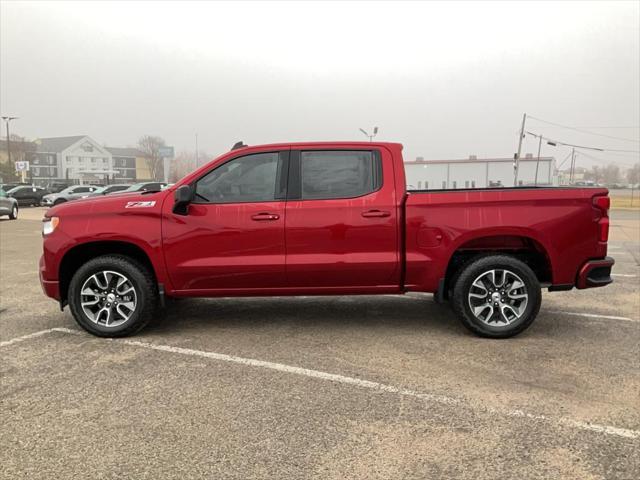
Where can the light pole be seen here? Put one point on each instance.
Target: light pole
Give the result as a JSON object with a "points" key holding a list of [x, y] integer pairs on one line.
{"points": [[7, 120], [540, 137], [375, 132]]}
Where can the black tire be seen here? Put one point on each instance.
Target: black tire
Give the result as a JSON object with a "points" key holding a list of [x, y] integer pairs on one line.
{"points": [[14, 212], [59, 201], [463, 287], [141, 279]]}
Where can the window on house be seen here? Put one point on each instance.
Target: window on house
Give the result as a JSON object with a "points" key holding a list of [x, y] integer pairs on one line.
{"points": [[419, 185], [466, 184], [455, 184], [444, 184], [473, 184]]}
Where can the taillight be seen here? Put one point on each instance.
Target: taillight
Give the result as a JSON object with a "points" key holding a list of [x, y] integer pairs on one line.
{"points": [[602, 203]]}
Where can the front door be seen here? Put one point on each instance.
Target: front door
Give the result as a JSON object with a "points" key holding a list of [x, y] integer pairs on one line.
{"points": [[342, 223], [233, 235]]}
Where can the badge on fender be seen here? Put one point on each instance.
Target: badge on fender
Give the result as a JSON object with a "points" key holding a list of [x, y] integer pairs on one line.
{"points": [[140, 204]]}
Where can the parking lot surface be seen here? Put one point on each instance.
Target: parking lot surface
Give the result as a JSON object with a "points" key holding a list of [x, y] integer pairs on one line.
{"points": [[317, 387]]}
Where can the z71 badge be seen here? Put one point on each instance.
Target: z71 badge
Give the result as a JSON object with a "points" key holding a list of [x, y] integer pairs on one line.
{"points": [[140, 204]]}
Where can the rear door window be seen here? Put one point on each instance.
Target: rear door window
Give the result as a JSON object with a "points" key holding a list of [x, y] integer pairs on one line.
{"points": [[339, 174]]}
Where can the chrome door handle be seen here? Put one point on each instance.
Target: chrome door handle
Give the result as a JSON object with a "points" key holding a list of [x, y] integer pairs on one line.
{"points": [[376, 213], [265, 217]]}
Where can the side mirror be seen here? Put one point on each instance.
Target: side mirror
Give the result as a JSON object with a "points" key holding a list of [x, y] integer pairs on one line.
{"points": [[183, 196]]}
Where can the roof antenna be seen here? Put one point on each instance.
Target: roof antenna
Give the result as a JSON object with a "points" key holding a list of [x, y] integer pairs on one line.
{"points": [[238, 145]]}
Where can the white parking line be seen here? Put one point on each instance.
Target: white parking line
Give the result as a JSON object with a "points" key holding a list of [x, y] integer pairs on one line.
{"points": [[593, 315], [6, 343], [361, 383], [358, 382], [623, 275]]}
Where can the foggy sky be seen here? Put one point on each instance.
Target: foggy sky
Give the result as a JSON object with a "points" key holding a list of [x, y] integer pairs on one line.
{"points": [[447, 80]]}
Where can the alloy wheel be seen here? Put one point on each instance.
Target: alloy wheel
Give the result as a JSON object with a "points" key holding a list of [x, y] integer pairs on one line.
{"points": [[498, 297], [108, 298]]}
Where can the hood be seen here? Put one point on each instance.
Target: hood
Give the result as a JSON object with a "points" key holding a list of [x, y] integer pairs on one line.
{"points": [[119, 204]]}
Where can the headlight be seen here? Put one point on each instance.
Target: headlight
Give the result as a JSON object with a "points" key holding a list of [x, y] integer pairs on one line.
{"points": [[49, 225]]}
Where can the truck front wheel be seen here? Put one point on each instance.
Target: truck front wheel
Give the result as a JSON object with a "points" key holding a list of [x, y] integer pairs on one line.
{"points": [[496, 296], [112, 296]]}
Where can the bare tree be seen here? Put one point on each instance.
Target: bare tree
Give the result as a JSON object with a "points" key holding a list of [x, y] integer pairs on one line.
{"points": [[594, 174], [185, 162], [611, 174], [150, 146], [633, 174]]}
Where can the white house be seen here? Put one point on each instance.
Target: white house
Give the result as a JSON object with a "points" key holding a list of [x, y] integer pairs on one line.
{"points": [[78, 159]]}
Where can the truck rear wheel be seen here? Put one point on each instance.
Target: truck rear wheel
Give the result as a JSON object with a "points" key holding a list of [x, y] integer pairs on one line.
{"points": [[496, 296], [112, 296]]}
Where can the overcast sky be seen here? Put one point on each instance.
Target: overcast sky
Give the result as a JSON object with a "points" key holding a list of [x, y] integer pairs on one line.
{"points": [[446, 79]]}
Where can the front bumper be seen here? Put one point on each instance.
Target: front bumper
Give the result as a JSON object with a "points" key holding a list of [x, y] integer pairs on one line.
{"points": [[51, 288], [595, 273]]}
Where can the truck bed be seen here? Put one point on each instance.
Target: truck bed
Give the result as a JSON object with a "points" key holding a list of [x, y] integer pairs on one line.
{"points": [[556, 222]]}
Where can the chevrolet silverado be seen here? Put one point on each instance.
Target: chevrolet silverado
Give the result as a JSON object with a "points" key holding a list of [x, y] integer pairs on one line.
{"points": [[322, 219]]}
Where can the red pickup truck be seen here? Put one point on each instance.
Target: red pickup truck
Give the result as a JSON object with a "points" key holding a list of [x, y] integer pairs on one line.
{"points": [[322, 219]]}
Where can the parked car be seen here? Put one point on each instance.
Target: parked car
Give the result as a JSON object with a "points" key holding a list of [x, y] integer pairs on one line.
{"points": [[70, 193], [56, 187], [27, 194], [323, 219], [146, 187], [107, 189], [8, 205], [8, 186]]}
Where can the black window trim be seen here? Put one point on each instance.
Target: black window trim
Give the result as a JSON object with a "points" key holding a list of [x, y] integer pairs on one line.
{"points": [[295, 173], [282, 178]]}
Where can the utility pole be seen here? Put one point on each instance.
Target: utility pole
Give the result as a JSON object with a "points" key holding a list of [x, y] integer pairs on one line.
{"points": [[573, 165], [538, 161], [516, 163]]}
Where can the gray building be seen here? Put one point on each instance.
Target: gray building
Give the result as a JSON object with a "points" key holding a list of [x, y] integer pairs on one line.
{"points": [[478, 172], [124, 163]]}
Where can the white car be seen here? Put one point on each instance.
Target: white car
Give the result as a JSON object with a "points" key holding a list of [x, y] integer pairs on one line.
{"points": [[70, 193]]}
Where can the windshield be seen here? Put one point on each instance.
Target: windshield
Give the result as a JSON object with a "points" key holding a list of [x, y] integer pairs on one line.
{"points": [[135, 187], [99, 190], [14, 189]]}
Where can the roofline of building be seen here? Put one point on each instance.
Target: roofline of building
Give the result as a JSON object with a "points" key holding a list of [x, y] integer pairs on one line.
{"points": [[478, 160]]}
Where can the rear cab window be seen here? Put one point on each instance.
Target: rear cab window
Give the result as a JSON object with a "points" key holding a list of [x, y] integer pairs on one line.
{"points": [[339, 174]]}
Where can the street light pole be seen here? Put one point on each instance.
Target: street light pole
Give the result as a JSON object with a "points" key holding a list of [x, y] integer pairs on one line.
{"points": [[375, 132], [516, 163], [8, 119]]}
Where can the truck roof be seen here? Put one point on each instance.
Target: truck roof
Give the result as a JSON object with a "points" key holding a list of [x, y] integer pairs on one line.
{"points": [[341, 143]]}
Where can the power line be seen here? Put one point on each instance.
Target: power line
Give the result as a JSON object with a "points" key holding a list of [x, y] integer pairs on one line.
{"points": [[599, 149], [603, 160], [584, 131], [565, 159], [634, 127]]}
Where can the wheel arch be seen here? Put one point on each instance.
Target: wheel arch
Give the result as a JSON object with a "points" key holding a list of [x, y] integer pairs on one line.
{"points": [[523, 247], [84, 252]]}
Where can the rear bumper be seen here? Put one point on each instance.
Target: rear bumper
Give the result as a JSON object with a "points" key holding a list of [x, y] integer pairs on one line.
{"points": [[595, 273]]}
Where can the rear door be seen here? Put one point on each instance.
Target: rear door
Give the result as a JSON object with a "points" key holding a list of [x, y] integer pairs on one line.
{"points": [[342, 225]]}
